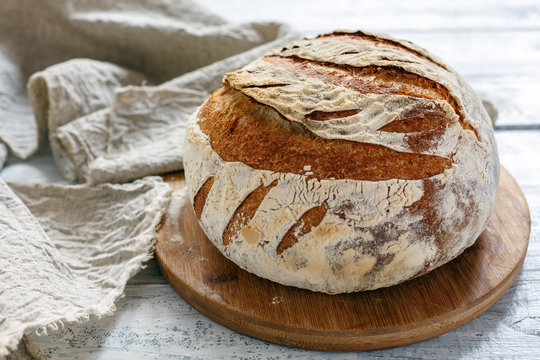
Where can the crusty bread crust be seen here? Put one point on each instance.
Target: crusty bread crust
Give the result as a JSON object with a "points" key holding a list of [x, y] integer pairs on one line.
{"points": [[347, 162], [241, 129]]}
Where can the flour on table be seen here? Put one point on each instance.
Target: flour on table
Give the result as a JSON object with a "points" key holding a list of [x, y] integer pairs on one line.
{"points": [[174, 212]]}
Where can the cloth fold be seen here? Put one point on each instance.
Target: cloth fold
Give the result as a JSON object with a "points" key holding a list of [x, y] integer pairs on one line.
{"points": [[81, 140], [74, 88], [74, 259], [146, 133]]}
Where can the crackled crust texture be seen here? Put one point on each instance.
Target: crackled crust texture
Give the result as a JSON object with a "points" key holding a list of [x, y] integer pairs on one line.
{"points": [[348, 162]]}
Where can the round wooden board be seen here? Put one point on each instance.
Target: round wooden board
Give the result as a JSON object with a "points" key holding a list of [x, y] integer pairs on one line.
{"points": [[425, 307]]}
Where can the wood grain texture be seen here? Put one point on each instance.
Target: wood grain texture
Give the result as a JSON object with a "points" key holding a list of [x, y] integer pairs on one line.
{"points": [[428, 306]]}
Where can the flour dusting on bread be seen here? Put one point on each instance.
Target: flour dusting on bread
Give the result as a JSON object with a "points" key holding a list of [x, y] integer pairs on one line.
{"points": [[418, 190]]}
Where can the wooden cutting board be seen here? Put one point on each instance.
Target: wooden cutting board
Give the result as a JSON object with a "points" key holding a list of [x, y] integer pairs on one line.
{"points": [[425, 307]]}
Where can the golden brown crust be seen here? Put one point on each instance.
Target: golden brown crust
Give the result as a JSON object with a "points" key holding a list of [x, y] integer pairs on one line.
{"points": [[418, 120], [200, 199], [242, 130], [327, 115], [307, 221], [245, 212], [425, 127]]}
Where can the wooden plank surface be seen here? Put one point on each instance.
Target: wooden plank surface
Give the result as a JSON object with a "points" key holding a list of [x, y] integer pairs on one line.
{"points": [[495, 45], [424, 15]]}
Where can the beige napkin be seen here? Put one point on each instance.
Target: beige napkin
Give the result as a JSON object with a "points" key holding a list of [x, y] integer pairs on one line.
{"points": [[97, 70], [84, 146], [73, 260]]}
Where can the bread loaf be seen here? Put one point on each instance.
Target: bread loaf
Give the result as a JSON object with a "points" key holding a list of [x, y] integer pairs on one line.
{"points": [[347, 162]]}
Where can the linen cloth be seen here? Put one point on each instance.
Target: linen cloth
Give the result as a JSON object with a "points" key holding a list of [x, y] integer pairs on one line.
{"points": [[90, 75], [74, 257]]}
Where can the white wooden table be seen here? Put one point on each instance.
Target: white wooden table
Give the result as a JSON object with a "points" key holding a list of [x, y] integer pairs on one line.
{"points": [[496, 46]]}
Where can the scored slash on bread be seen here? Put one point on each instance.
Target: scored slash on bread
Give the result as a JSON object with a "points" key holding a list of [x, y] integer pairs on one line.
{"points": [[402, 164]]}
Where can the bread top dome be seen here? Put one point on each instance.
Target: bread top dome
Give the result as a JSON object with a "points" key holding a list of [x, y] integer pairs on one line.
{"points": [[346, 162]]}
